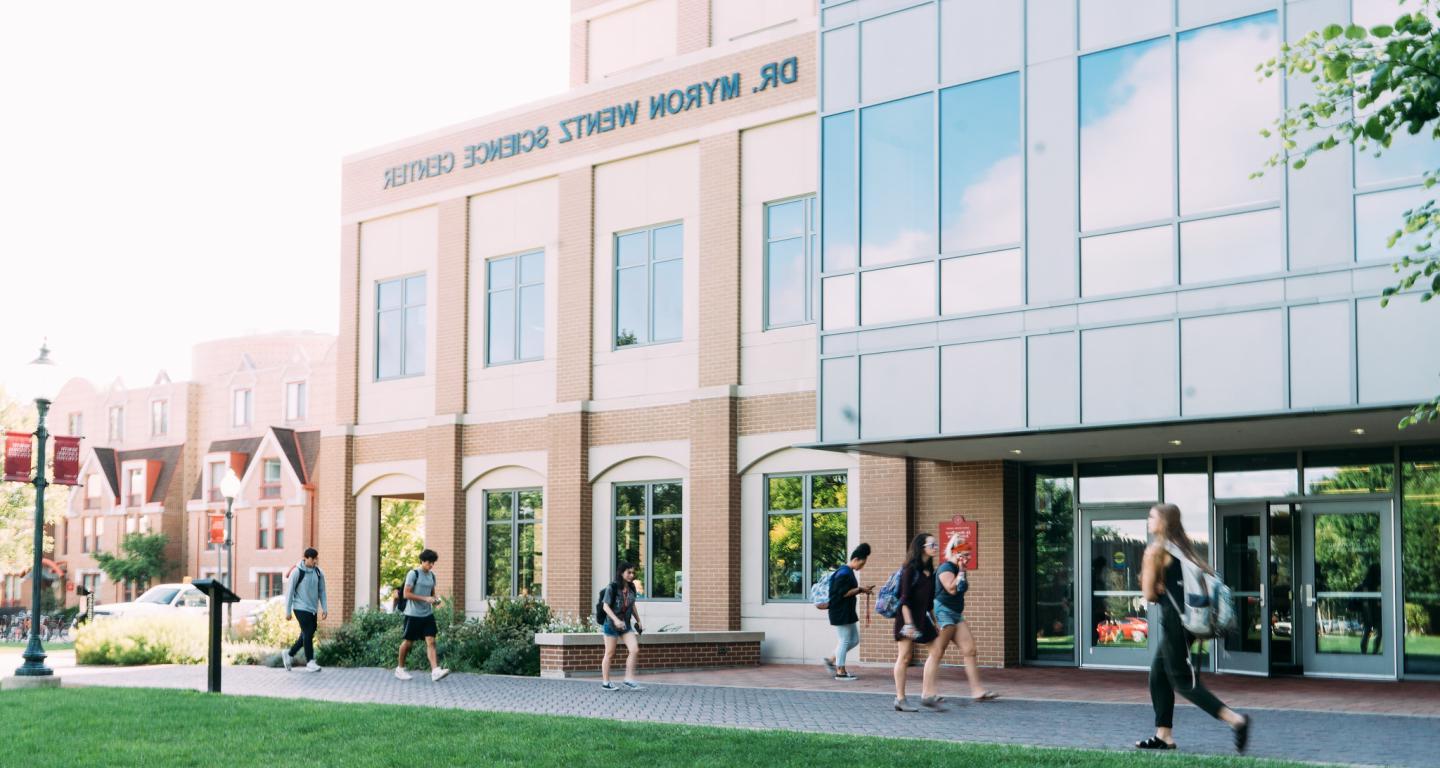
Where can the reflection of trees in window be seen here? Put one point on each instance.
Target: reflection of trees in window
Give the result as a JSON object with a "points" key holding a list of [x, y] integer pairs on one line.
{"points": [[514, 524], [1053, 552], [807, 531], [1420, 564], [402, 536], [649, 531]]}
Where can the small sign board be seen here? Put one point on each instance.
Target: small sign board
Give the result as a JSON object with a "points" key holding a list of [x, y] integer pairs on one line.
{"points": [[965, 537]]}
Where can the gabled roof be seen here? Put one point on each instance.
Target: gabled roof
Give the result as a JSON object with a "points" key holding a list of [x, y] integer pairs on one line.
{"points": [[106, 458], [245, 445], [310, 453], [169, 456]]}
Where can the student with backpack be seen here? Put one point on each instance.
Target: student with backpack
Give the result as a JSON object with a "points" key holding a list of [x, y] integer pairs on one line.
{"points": [[1163, 580], [913, 622], [951, 583], [616, 612], [304, 599], [419, 609], [843, 592]]}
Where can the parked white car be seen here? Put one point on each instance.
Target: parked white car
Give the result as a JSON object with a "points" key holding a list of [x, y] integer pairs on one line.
{"points": [[159, 600]]}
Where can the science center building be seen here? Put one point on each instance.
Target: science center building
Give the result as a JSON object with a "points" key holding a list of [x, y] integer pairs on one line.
{"points": [[775, 278]]}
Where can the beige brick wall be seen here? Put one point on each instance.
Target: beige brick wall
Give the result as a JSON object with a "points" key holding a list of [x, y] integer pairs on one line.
{"points": [[579, 53], [336, 523], [720, 260], [445, 511], [884, 524], [505, 437], [713, 581], [347, 352], [640, 425], [692, 31], [394, 446], [568, 509], [452, 280], [788, 412], [574, 318]]}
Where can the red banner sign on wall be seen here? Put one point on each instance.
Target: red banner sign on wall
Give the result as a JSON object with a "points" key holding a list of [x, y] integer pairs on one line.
{"points": [[17, 457], [960, 535], [67, 460], [217, 529]]}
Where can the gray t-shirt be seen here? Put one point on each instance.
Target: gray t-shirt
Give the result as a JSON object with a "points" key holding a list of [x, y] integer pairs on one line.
{"points": [[420, 583]]}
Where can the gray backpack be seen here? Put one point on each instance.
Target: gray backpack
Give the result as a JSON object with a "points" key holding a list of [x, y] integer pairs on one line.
{"points": [[1209, 609]]}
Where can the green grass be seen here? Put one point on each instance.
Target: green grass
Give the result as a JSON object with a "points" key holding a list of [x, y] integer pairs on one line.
{"points": [[7, 645], [138, 727]]}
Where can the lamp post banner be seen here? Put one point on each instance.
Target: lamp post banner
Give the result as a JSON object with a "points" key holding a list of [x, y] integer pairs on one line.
{"points": [[67, 460], [217, 529], [17, 457]]}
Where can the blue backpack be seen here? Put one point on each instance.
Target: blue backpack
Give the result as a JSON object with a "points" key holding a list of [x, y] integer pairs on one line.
{"points": [[887, 603], [820, 590]]}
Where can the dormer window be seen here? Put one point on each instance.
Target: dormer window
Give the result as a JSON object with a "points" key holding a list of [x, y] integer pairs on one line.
{"points": [[135, 487], [215, 474], [270, 486], [93, 490]]}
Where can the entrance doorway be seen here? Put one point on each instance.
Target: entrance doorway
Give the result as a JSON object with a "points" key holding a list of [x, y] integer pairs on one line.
{"points": [[1312, 585], [1114, 618]]}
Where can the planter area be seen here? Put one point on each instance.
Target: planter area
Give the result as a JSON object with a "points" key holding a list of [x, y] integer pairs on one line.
{"points": [[579, 654]]}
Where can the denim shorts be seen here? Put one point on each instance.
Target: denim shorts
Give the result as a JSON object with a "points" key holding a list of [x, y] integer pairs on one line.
{"points": [[944, 617], [608, 629]]}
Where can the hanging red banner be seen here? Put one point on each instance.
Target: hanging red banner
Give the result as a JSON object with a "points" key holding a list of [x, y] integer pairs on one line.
{"points": [[67, 460], [217, 529], [17, 457], [960, 535]]}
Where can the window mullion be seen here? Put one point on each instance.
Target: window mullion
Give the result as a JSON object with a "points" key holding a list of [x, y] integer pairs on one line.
{"points": [[649, 526]]}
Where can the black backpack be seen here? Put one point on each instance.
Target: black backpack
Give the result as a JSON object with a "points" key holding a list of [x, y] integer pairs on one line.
{"points": [[600, 601], [400, 600]]}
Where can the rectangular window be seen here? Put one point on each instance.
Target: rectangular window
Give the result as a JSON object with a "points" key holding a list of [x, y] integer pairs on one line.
{"points": [[117, 424], [897, 181], [270, 487], [99, 539], [838, 186], [296, 404], [514, 539], [77, 424], [980, 165], [1256, 477], [805, 533], [400, 327], [262, 539], [217, 474], [240, 408], [649, 286], [1127, 170], [91, 582], [515, 308], [87, 532], [93, 490], [277, 533], [1051, 556], [1420, 559], [649, 532], [790, 262], [135, 487], [271, 585], [159, 418]]}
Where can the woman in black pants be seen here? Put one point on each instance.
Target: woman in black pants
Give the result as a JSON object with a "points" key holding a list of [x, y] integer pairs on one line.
{"points": [[913, 623], [1171, 670]]}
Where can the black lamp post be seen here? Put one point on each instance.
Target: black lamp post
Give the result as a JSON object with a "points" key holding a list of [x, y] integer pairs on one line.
{"points": [[229, 488], [45, 373]]}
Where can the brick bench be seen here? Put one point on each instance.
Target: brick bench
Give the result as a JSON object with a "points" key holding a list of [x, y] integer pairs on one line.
{"points": [[579, 654]]}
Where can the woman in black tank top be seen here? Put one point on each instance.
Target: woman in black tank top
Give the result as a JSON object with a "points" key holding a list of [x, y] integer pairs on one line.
{"points": [[1162, 580]]}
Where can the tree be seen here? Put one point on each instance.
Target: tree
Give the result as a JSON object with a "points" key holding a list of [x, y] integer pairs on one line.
{"points": [[1369, 86], [402, 537], [143, 560], [17, 500]]}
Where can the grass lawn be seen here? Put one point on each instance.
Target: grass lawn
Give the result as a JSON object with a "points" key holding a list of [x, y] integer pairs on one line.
{"points": [[123, 727]]}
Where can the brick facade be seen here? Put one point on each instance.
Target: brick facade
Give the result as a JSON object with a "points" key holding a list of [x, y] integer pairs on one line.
{"points": [[657, 652]]}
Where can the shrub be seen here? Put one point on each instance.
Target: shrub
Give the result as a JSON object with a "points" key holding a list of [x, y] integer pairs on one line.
{"points": [[501, 643], [272, 630], [522, 613], [142, 640]]}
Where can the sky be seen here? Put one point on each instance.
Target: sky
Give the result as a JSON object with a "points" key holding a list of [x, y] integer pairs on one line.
{"points": [[171, 170]]}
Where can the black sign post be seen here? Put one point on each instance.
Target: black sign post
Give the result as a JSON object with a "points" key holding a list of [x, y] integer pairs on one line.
{"points": [[218, 594]]}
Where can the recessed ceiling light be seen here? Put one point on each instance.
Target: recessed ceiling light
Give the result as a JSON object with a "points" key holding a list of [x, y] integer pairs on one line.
{"points": [[1015, 451], [1358, 431], [1175, 442]]}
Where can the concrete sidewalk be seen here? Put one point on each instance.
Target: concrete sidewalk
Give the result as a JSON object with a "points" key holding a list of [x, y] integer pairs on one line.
{"points": [[1364, 739]]}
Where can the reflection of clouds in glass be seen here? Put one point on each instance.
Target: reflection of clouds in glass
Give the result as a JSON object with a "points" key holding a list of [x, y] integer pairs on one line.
{"points": [[1095, 490], [1378, 215], [785, 284], [981, 281], [1231, 246], [900, 293], [980, 172], [838, 295], [1222, 110], [897, 172], [838, 134], [1257, 483], [1126, 261], [1126, 163]]}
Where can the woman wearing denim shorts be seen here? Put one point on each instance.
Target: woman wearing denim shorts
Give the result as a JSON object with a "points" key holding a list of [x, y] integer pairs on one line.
{"points": [[950, 586], [618, 604]]}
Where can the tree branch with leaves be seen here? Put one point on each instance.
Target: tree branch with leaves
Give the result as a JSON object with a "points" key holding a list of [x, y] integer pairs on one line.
{"points": [[142, 561], [1370, 86]]}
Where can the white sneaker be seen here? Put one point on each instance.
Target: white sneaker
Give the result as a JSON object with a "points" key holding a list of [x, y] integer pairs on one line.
{"points": [[401, 674], [312, 666], [286, 660], [437, 674]]}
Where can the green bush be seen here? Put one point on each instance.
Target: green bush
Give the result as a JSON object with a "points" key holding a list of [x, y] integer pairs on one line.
{"points": [[273, 630], [521, 613], [144, 640], [501, 643]]}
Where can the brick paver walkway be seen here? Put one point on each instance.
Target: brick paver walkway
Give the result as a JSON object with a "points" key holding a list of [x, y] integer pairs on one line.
{"points": [[1366, 739]]}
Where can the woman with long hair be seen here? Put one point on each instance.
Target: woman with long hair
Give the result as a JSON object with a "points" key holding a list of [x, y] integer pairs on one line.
{"points": [[1161, 580], [618, 604], [913, 622]]}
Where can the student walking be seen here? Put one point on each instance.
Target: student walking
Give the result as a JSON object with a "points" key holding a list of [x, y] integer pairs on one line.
{"points": [[914, 625], [617, 603], [305, 600], [845, 590], [951, 583], [1171, 669], [420, 601]]}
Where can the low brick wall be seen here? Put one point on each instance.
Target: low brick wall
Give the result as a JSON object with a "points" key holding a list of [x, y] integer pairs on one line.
{"points": [[573, 655]]}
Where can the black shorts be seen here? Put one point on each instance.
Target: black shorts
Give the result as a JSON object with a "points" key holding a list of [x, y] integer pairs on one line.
{"points": [[420, 627]]}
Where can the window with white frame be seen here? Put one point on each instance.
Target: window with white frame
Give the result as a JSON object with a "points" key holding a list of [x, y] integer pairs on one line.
{"points": [[159, 418], [87, 533], [649, 531], [514, 539], [400, 327], [790, 252], [649, 285], [240, 408], [271, 584], [296, 405], [99, 540], [116, 432], [277, 531], [805, 531], [93, 491], [515, 308], [262, 540], [77, 424], [90, 581], [215, 473], [134, 487], [270, 485]]}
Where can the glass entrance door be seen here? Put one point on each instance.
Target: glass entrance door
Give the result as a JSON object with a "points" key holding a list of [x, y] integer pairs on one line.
{"points": [[1244, 557], [1347, 591], [1115, 619]]}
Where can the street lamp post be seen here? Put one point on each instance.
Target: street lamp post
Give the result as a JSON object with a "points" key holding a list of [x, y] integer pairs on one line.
{"points": [[229, 488], [45, 376]]}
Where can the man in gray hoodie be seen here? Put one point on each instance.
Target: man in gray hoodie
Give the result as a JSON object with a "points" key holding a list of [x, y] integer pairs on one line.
{"points": [[305, 598]]}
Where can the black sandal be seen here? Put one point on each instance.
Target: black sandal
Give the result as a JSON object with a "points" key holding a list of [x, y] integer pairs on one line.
{"points": [[1242, 734], [1155, 742]]}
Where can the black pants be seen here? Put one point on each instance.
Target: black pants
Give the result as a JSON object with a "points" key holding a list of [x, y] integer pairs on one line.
{"points": [[1170, 672], [307, 635]]}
